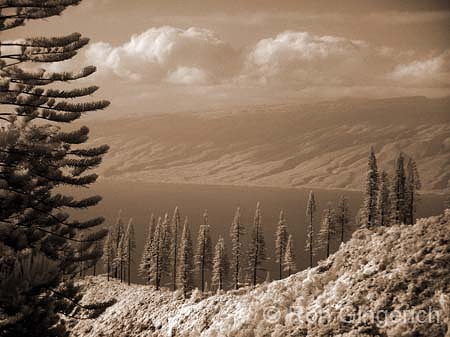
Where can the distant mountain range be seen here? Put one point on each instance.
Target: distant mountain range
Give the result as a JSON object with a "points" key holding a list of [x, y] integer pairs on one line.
{"points": [[323, 145]]}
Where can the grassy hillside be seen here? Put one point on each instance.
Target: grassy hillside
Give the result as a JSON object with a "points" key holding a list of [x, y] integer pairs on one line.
{"points": [[322, 145], [400, 270]]}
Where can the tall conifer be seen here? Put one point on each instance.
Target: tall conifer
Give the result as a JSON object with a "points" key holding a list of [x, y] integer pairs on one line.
{"points": [[129, 248], [327, 230], [176, 223], [38, 155], [398, 192], [281, 243], [257, 247], [369, 212], [220, 265], [236, 233], [185, 280], [203, 255], [289, 257], [413, 184], [144, 266], [310, 210], [383, 201]]}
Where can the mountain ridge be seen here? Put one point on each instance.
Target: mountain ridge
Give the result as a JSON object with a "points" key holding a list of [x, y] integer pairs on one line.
{"points": [[321, 145]]}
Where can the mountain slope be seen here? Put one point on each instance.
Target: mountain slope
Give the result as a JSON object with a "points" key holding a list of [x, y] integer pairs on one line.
{"points": [[401, 269], [321, 145]]}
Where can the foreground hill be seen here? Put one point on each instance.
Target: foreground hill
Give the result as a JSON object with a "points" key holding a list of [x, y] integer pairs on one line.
{"points": [[401, 272], [322, 145]]}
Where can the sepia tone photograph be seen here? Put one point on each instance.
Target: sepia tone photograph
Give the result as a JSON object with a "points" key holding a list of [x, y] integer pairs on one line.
{"points": [[213, 168]]}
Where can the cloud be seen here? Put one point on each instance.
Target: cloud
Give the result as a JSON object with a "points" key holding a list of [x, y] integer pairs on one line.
{"points": [[186, 75], [431, 72], [291, 60], [303, 58], [181, 56]]}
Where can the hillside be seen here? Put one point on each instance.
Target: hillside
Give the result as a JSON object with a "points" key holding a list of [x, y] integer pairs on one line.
{"points": [[321, 145], [401, 269]]}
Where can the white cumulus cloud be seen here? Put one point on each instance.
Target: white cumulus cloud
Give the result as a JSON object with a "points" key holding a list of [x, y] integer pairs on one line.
{"points": [[306, 58], [182, 56], [292, 60], [186, 75], [431, 72]]}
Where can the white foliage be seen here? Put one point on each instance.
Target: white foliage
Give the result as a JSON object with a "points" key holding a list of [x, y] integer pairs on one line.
{"points": [[363, 274]]}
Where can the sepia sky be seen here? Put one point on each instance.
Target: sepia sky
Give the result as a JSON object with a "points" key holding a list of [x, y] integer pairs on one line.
{"points": [[167, 55]]}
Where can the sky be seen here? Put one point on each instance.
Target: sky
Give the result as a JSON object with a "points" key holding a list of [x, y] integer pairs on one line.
{"points": [[196, 55]]}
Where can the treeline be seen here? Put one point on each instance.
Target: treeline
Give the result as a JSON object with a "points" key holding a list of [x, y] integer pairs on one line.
{"points": [[172, 257], [390, 199]]}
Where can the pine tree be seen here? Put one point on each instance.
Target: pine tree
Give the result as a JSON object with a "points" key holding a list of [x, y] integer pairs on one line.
{"points": [[220, 264], [383, 201], [129, 248], [185, 280], [108, 252], [328, 230], [117, 233], [176, 222], [203, 255], [412, 186], [371, 192], [119, 260], [155, 262], [257, 246], [166, 255], [398, 209], [281, 242], [343, 217], [310, 210], [158, 263], [289, 257], [144, 266], [236, 233], [37, 156]]}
